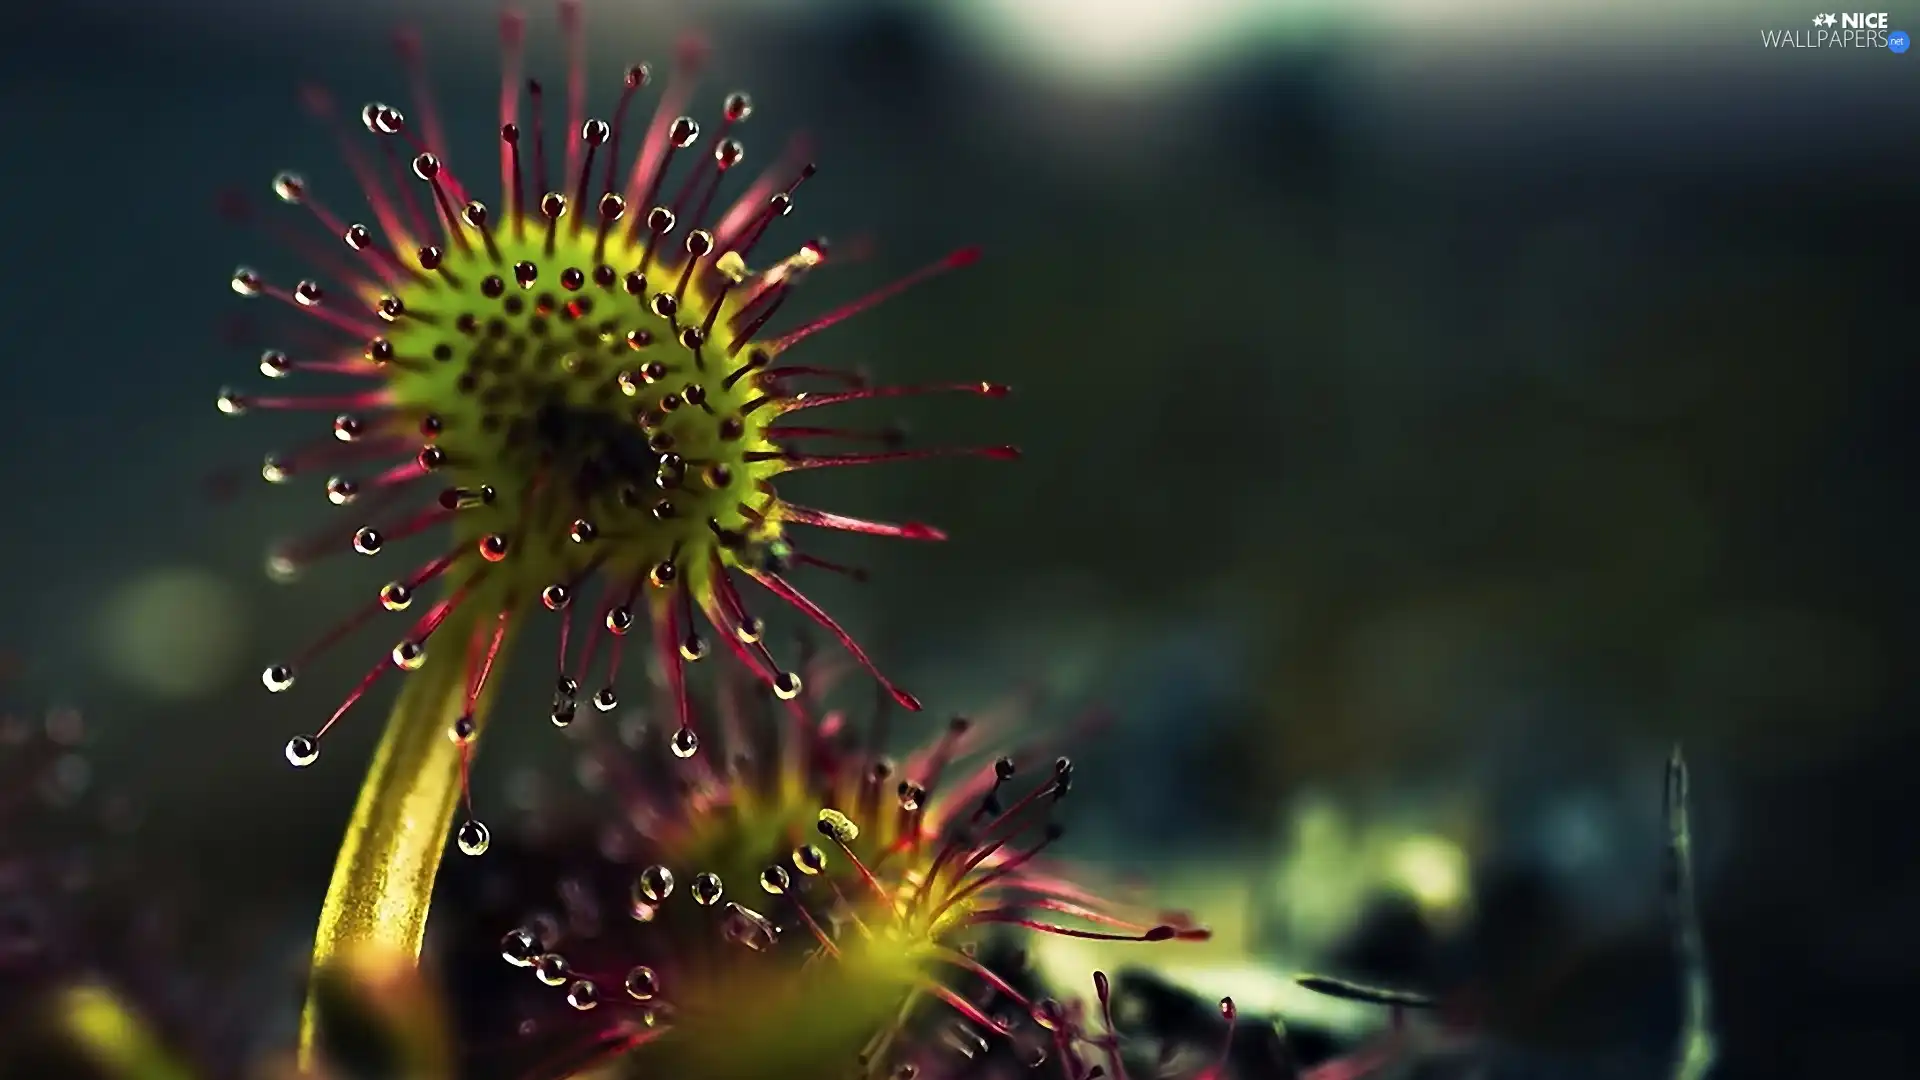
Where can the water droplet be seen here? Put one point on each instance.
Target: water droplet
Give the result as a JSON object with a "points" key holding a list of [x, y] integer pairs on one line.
{"points": [[290, 187], [396, 596], [473, 838], [382, 119], [583, 995], [277, 678], [410, 655], [551, 968], [775, 880], [231, 402], [247, 281], [341, 491], [684, 131], [347, 427], [426, 166], [605, 699], [275, 364], [462, 729], [655, 883], [642, 983], [302, 751], [368, 541], [563, 712], [273, 471], [738, 107], [518, 947], [308, 293], [745, 926], [358, 237], [838, 827], [912, 796], [706, 888], [685, 743], [786, 685], [809, 860]]}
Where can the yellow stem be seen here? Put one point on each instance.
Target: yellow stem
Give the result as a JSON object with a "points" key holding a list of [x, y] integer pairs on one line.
{"points": [[114, 1038], [383, 877]]}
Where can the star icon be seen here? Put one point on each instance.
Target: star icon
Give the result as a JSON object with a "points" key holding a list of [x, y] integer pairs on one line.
{"points": [[1828, 20]]}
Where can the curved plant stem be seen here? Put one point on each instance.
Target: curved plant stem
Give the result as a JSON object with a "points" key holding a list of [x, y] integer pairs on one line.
{"points": [[383, 877]]}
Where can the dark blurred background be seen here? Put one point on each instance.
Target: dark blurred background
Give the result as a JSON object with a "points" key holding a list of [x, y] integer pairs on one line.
{"points": [[1433, 411]]}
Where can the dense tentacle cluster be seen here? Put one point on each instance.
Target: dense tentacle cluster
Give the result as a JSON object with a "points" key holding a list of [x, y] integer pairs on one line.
{"points": [[574, 389], [802, 904]]}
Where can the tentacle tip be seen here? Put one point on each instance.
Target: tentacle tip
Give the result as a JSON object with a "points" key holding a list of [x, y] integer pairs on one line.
{"points": [[915, 530], [906, 701], [995, 390], [1003, 453], [966, 256], [1199, 933]]}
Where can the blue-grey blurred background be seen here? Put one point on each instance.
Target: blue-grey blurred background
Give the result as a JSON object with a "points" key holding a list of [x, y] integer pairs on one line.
{"points": [[1433, 410]]}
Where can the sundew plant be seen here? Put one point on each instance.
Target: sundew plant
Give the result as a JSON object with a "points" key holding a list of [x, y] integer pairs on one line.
{"points": [[576, 399]]}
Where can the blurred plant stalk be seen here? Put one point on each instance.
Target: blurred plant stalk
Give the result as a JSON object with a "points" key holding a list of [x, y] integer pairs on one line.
{"points": [[1698, 1050]]}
